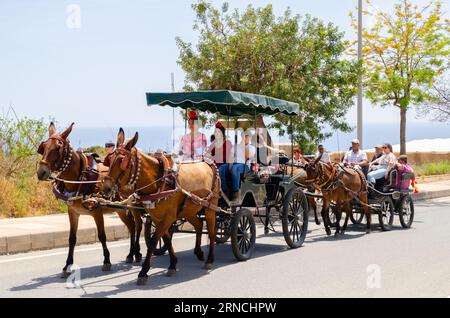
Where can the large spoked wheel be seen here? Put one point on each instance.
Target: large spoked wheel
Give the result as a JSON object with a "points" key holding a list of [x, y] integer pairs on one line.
{"points": [[243, 234], [386, 213], [223, 231], [295, 218], [150, 228], [356, 217], [406, 212]]}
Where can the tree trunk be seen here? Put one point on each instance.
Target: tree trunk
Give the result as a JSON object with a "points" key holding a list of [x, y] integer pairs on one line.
{"points": [[402, 130]]}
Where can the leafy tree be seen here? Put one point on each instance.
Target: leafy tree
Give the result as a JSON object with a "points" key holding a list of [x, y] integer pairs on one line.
{"points": [[403, 54], [18, 140], [288, 57]]}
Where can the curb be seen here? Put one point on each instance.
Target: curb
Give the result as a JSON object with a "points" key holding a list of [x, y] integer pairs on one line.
{"points": [[426, 195], [49, 240]]}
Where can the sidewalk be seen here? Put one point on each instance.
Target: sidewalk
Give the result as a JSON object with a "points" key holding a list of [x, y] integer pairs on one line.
{"points": [[47, 232]]}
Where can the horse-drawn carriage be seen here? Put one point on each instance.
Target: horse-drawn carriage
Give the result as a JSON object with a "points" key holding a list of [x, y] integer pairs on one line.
{"points": [[268, 197], [384, 200]]}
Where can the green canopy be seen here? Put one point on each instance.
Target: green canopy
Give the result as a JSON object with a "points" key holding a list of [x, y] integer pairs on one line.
{"points": [[224, 102]]}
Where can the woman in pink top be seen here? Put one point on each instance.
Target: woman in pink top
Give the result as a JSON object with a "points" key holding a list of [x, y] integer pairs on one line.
{"points": [[402, 167]]}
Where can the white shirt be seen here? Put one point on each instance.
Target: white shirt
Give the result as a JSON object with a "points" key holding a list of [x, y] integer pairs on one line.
{"points": [[355, 157], [325, 157], [240, 152]]}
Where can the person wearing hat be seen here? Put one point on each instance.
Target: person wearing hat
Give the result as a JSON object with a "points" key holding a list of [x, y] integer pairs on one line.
{"points": [[402, 167], [110, 147], [378, 153], [356, 157], [193, 144]]}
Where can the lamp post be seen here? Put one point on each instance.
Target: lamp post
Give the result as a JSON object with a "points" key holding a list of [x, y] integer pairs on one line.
{"points": [[360, 95]]}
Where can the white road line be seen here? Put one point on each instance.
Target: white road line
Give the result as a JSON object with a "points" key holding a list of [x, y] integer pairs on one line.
{"points": [[87, 249]]}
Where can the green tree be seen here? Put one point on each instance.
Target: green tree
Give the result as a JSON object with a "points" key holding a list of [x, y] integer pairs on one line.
{"points": [[403, 54], [18, 140], [288, 57]]}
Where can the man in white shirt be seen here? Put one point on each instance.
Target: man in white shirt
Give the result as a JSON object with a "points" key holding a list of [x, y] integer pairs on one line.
{"points": [[356, 157], [321, 151]]}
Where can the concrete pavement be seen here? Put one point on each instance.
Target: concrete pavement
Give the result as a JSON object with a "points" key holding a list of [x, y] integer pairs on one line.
{"points": [[48, 232], [399, 263]]}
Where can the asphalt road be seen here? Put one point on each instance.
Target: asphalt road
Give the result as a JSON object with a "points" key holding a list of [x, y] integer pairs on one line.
{"points": [[407, 263]]}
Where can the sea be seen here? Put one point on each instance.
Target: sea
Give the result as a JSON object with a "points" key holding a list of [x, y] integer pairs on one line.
{"points": [[166, 138]]}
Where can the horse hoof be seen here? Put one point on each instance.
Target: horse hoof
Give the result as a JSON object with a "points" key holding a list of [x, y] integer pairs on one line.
{"points": [[65, 274], [200, 256], [138, 258], [171, 272], [328, 232], [106, 267], [129, 259], [317, 222], [141, 281], [208, 266]]}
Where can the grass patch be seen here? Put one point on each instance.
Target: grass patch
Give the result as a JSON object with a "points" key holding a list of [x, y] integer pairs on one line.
{"points": [[431, 169]]}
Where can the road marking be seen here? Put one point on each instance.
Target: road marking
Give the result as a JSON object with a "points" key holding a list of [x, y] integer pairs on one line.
{"points": [[87, 249]]}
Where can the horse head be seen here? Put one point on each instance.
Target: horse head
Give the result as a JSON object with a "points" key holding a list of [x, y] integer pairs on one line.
{"points": [[120, 163], [312, 168], [55, 151]]}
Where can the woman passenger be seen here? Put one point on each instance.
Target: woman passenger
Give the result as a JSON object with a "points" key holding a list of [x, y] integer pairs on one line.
{"points": [[386, 162]]}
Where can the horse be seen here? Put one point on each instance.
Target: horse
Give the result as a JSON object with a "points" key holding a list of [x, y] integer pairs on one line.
{"points": [[72, 166], [340, 185], [167, 196]]}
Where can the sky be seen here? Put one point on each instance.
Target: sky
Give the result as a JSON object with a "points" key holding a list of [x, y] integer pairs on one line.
{"points": [[95, 70]]}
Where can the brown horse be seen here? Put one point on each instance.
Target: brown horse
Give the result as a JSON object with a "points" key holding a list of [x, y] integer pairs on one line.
{"points": [[58, 155], [340, 185], [165, 196]]}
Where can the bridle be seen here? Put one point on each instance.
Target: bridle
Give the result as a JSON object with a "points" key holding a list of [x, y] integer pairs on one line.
{"points": [[320, 176], [65, 154], [127, 159]]}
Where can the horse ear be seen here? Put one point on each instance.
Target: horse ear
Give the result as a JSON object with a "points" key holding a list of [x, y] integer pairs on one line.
{"points": [[318, 159], [67, 132], [131, 143], [51, 129], [120, 138]]}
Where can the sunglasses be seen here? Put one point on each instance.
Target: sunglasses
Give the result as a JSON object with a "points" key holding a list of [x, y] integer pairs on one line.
{"points": [[385, 147]]}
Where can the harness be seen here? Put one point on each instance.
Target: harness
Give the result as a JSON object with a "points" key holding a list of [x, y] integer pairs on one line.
{"points": [[166, 183]]}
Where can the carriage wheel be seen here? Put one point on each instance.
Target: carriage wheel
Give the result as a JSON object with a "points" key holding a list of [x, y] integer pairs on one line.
{"points": [[406, 212], [243, 234], [386, 213], [161, 248], [295, 218], [356, 217], [223, 231]]}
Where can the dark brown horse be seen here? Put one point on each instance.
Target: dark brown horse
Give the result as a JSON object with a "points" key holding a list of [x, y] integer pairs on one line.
{"points": [[58, 156], [166, 196], [339, 185]]}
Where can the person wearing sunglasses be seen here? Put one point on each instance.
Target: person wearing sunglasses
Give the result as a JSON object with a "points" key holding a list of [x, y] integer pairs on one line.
{"points": [[386, 162]]}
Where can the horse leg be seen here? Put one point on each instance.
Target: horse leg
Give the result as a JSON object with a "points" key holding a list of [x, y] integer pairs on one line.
{"points": [[162, 229], [167, 238], [99, 221], [73, 219], [365, 200], [338, 212], [313, 205], [129, 223], [198, 225], [138, 226], [326, 221], [211, 224], [348, 211]]}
